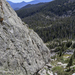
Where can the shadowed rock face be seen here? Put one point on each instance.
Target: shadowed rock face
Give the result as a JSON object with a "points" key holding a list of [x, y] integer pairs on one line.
{"points": [[22, 52]]}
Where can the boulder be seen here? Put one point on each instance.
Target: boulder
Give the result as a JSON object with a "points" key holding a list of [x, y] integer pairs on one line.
{"points": [[49, 65], [73, 74]]}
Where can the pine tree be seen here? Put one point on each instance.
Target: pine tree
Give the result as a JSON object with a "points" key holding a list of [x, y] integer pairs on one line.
{"points": [[74, 54], [70, 62], [60, 54]]}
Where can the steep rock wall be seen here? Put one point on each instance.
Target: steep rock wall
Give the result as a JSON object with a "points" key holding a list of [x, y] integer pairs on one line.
{"points": [[22, 52]]}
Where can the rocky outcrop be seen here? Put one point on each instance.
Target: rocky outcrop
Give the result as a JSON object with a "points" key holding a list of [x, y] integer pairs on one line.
{"points": [[22, 52]]}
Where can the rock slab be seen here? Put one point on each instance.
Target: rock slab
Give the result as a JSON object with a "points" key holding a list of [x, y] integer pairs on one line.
{"points": [[22, 52]]}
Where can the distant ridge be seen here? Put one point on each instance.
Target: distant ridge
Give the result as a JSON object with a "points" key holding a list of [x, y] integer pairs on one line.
{"points": [[17, 6], [46, 19]]}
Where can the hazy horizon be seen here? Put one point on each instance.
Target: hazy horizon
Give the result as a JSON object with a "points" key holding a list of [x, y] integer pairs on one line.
{"points": [[15, 1]]}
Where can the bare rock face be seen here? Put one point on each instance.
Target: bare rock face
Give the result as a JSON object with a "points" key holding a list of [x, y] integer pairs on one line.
{"points": [[22, 52]]}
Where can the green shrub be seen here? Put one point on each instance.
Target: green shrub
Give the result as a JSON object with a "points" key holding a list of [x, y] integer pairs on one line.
{"points": [[57, 68], [60, 59], [70, 62], [73, 69], [60, 71], [67, 60], [52, 45], [53, 57], [74, 54], [73, 46], [60, 53], [63, 73], [69, 43], [57, 49]]}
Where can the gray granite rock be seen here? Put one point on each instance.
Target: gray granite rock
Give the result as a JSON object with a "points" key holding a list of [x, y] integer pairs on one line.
{"points": [[22, 52]]}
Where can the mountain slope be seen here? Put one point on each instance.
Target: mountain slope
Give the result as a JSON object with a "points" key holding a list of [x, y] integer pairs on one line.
{"points": [[56, 7], [39, 1], [48, 20], [22, 52], [17, 6]]}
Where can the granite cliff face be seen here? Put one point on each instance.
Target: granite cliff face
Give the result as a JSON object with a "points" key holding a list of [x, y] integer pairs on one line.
{"points": [[22, 52]]}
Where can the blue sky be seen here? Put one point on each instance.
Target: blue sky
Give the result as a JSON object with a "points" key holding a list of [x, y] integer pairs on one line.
{"points": [[20, 0]]}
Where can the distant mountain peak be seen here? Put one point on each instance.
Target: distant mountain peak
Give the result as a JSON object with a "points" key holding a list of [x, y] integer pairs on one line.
{"points": [[23, 1], [19, 5]]}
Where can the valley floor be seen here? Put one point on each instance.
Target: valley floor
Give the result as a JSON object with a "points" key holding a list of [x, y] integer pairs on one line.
{"points": [[62, 58]]}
